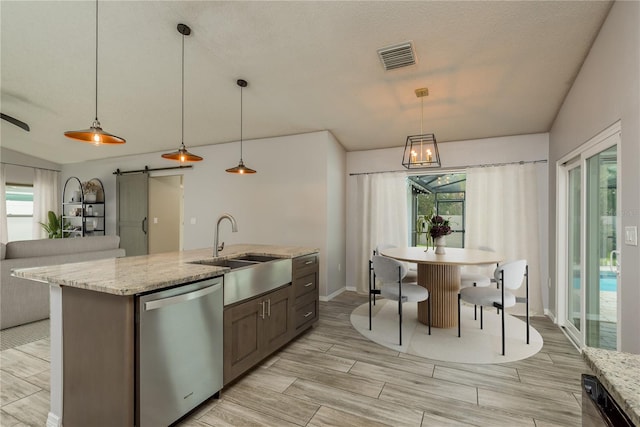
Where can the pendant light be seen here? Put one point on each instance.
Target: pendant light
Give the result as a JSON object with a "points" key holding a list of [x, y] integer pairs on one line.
{"points": [[182, 155], [241, 168], [421, 151], [95, 134]]}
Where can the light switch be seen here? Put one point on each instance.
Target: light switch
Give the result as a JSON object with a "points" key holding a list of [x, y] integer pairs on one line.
{"points": [[192, 221], [631, 235], [155, 220]]}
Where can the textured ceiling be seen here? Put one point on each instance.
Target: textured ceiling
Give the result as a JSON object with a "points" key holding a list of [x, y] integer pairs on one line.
{"points": [[492, 69]]}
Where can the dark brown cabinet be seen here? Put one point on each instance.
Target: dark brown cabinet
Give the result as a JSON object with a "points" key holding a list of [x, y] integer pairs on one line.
{"points": [[305, 284], [255, 328]]}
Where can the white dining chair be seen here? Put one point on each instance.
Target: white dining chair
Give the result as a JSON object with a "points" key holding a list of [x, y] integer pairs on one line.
{"points": [[509, 276], [479, 280], [412, 268], [390, 272]]}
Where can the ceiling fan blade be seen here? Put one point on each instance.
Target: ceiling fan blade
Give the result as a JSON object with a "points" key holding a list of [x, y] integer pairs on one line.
{"points": [[16, 122]]}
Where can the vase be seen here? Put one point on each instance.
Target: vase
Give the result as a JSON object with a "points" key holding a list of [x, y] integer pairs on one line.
{"points": [[439, 243], [90, 197]]}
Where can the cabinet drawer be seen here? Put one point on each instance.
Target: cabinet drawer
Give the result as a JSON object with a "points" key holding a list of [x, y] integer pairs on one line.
{"points": [[304, 265], [306, 314], [305, 284]]}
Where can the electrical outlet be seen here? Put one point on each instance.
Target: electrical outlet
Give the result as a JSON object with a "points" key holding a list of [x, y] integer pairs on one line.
{"points": [[631, 235]]}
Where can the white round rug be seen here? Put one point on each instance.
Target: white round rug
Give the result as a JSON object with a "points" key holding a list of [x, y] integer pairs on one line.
{"points": [[474, 346]]}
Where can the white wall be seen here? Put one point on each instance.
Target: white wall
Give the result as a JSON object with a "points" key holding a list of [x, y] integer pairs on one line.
{"points": [[285, 203], [606, 90], [454, 155], [336, 218]]}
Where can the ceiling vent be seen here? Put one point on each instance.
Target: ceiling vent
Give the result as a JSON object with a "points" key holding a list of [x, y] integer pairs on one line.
{"points": [[397, 56]]}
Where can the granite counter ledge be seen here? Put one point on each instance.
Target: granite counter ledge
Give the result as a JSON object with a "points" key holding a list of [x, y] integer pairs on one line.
{"points": [[620, 374], [144, 273]]}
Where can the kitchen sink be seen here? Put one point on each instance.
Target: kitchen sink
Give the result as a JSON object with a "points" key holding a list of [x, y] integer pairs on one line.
{"points": [[233, 263], [257, 258], [251, 275]]}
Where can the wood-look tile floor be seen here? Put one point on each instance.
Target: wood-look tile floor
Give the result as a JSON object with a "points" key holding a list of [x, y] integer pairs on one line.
{"points": [[332, 375]]}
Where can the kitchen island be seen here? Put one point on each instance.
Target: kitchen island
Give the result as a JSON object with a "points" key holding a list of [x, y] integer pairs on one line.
{"points": [[619, 372], [95, 315]]}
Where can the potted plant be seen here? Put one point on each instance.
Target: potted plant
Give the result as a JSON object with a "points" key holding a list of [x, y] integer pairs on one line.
{"points": [[438, 228], [90, 191], [54, 225]]}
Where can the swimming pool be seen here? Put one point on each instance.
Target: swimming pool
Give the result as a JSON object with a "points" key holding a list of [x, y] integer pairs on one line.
{"points": [[608, 281]]}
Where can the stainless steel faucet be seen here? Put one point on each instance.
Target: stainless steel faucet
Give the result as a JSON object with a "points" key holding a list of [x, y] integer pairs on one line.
{"points": [[234, 228]]}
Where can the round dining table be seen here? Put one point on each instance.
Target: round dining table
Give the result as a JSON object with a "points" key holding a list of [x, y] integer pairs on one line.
{"points": [[440, 274]]}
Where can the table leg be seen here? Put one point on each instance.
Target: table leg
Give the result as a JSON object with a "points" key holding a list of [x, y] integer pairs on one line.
{"points": [[443, 283]]}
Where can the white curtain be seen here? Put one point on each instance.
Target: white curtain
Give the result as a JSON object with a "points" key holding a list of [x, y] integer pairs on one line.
{"points": [[3, 205], [381, 201], [46, 197], [502, 214]]}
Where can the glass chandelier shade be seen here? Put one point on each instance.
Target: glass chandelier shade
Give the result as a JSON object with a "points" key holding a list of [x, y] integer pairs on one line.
{"points": [[421, 151]]}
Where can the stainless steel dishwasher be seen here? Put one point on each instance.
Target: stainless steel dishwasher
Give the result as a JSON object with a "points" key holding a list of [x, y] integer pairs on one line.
{"points": [[178, 350]]}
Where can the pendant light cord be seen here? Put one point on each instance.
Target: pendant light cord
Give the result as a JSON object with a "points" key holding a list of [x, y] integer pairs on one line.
{"points": [[96, 60], [421, 116], [182, 136], [240, 124]]}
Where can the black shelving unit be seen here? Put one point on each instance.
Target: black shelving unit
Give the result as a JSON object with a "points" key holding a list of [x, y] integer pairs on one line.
{"points": [[82, 214]]}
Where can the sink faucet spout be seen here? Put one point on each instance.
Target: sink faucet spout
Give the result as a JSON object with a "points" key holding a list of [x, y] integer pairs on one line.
{"points": [[234, 228]]}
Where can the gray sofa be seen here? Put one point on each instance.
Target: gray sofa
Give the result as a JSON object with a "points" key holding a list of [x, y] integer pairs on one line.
{"points": [[23, 301]]}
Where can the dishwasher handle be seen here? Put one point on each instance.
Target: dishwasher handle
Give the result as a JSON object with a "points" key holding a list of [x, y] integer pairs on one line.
{"points": [[177, 299]]}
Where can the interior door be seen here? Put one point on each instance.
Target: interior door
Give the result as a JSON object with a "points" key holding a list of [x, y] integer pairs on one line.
{"points": [[132, 192], [165, 214]]}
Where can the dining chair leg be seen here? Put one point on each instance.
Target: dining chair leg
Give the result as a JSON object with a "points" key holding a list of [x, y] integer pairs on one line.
{"points": [[481, 310], [502, 308], [475, 307], [458, 315], [503, 329], [400, 322], [400, 302], [526, 275], [429, 312], [370, 292]]}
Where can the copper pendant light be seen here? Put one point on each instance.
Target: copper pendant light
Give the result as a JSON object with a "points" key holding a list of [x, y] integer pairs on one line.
{"points": [[182, 155], [241, 168], [95, 134]]}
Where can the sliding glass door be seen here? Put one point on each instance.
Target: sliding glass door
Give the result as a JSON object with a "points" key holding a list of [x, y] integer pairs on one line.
{"points": [[601, 239], [588, 283]]}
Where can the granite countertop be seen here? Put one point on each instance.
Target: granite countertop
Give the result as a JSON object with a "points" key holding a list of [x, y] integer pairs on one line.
{"points": [[620, 374], [138, 274]]}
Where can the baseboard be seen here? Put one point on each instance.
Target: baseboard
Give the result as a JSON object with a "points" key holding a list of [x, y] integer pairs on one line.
{"points": [[550, 315], [332, 295], [53, 420]]}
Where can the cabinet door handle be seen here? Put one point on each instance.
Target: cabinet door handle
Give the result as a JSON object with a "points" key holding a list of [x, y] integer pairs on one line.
{"points": [[269, 307], [144, 225], [309, 262], [262, 315], [308, 314], [308, 284]]}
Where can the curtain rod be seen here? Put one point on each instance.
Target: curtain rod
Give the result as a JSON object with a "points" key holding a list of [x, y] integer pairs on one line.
{"points": [[451, 168], [147, 170], [31, 167]]}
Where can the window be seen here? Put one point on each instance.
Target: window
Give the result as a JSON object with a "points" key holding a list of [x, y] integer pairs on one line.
{"points": [[19, 212], [443, 194]]}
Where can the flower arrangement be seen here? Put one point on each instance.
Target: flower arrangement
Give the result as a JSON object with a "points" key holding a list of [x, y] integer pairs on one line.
{"points": [[438, 227], [90, 187]]}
